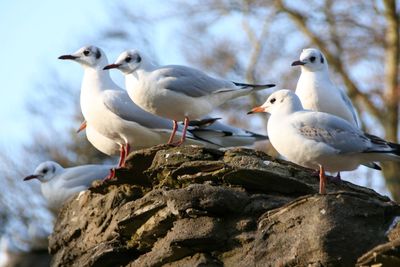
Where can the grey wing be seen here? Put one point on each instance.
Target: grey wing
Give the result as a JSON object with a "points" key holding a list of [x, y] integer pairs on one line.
{"points": [[350, 106], [333, 131], [192, 82], [84, 175], [120, 103]]}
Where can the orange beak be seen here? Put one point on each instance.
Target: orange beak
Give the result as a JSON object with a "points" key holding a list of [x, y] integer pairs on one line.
{"points": [[256, 110], [82, 127]]}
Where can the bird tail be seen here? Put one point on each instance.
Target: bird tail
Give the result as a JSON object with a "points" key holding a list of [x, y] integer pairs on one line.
{"points": [[226, 136], [395, 147], [254, 86], [373, 165], [203, 122], [383, 146]]}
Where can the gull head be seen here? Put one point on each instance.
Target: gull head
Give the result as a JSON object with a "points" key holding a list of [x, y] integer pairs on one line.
{"points": [[88, 56], [45, 171], [312, 60], [127, 62], [280, 101]]}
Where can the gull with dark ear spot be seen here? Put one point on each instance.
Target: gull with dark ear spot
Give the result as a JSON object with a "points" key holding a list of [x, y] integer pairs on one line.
{"points": [[318, 93], [319, 140], [114, 122], [316, 90], [176, 92], [59, 184]]}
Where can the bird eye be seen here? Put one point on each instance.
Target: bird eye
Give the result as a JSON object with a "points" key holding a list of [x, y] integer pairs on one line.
{"points": [[312, 59], [45, 171], [272, 100], [86, 52], [128, 59]]}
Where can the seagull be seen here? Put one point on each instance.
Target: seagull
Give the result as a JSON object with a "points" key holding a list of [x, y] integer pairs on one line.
{"points": [[59, 184], [318, 93], [316, 90], [109, 110], [176, 92], [320, 140]]}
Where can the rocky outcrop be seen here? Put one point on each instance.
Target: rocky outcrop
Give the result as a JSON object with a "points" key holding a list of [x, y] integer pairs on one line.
{"points": [[193, 206]]}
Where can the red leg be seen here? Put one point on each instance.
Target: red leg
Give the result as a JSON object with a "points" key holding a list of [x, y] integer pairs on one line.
{"points": [[171, 138], [127, 150], [111, 175], [322, 180], [121, 156], [186, 124]]}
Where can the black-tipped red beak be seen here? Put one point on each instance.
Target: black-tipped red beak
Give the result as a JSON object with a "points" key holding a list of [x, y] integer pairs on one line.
{"points": [[67, 57], [30, 177], [298, 63], [111, 66]]}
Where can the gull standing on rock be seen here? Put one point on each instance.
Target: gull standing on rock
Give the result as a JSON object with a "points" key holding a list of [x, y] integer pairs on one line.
{"points": [[320, 140], [108, 109], [58, 184], [114, 122], [318, 93], [316, 90], [176, 92]]}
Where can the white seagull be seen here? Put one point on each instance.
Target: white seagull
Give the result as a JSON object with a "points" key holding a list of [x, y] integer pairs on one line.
{"points": [[316, 90], [320, 140], [318, 93], [116, 123], [108, 109], [176, 92], [58, 184]]}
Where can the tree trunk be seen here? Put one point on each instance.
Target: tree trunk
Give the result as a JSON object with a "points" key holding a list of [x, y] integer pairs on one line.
{"points": [[391, 171]]}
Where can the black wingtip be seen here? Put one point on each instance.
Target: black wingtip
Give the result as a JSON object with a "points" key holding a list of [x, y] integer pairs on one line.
{"points": [[396, 148], [203, 122], [258, 136], [255, 86], [373, 165]]}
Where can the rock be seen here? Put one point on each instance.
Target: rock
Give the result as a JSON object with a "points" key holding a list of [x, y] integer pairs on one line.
{"points": [[387, 254], [194, 206], [36, 257]]}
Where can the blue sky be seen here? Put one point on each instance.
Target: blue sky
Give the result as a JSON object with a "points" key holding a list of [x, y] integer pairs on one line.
{"points": [[34, 34]]}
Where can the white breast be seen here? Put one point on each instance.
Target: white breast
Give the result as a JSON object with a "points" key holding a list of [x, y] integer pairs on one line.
{"points": [[320, 94]]}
